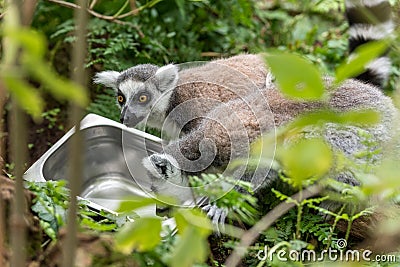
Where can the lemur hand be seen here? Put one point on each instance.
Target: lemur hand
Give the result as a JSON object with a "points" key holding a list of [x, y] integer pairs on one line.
{"points": [[217, 215]]}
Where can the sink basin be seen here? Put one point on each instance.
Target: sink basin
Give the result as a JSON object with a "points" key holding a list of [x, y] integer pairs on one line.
{"points": [[112, 164]]}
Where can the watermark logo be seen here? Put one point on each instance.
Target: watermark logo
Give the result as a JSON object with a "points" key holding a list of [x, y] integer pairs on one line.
{"points": [[341, 243], [339, 253]]}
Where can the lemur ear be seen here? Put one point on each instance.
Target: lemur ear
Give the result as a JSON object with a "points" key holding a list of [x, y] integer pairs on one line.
{"points": [[167, 77], [107, 78]]}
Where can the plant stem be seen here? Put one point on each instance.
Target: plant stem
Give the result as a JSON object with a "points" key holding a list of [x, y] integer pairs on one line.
{"points": [[349, 224], [299, 214], [75, 155], [337, 218], [121, 9]]}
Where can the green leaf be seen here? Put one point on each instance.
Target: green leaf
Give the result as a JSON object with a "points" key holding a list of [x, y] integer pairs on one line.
{"points": [[193, 218], [32, 41], [360, 58], [48, 229], [98, 226], [133, 203], [142, 235], [296, 77], [34, 46], [363, 117], [59, 87], [27, 96], [242, 12], [387, 178], [181, 7], [191, 248], [306, 159]]}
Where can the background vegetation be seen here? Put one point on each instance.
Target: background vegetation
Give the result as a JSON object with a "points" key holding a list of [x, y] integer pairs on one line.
{"points": [[181, 31], [178, 31]]}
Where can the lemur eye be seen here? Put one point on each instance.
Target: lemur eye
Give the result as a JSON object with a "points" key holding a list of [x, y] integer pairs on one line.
{"points": [[120, 99], [142, 98]]}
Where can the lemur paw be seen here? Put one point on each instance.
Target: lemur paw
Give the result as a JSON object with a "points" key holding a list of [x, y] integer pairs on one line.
{"points": [[163, 166], [217, 215]]}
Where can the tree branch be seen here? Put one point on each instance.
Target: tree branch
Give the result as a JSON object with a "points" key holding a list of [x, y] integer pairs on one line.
{"points": [[115, 19], [94, 13]]}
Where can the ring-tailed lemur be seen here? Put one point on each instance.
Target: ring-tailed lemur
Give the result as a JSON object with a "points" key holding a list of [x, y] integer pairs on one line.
{"points": [[149, 94], [207, 143]]}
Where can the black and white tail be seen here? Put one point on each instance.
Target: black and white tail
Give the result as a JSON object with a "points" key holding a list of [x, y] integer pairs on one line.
{"points": [[370, 20]]}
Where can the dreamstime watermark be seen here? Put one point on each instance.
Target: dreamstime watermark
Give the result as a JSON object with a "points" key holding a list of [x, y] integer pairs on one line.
{"points": [[331, 254]]}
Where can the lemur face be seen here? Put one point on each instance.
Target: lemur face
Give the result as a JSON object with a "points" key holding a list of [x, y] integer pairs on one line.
{"points": [[142, 92], [135, 99]]}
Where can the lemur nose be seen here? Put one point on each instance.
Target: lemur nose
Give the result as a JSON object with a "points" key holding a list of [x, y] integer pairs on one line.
{"points": [[121, 119]]}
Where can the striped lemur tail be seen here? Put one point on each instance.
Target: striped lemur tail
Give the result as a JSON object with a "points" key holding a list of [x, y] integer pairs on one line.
{"points": [[370, 20]]}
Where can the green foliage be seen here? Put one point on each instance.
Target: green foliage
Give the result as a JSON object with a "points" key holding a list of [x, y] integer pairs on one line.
{"points": [[26, 95], [311, 160], [304, 81], [27, 47], [104, 104], [360, 58], [181, 31], [193, 228], [51, 204], [319, 118], [141, 235], [51, 116], [114, 46], [313, 226], [386, 180], [162, 31], [312, 28], [133, 203], [315, 160]]}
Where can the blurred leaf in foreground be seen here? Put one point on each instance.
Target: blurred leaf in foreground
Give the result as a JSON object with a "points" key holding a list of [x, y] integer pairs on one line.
{"points": [[360, 58], [296, 77], [142, 235]]}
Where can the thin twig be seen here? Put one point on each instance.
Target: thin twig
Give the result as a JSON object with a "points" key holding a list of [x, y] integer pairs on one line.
{"points": [[66, 4], [122, 8], [251, 235], [94, 13], [104, 17]]}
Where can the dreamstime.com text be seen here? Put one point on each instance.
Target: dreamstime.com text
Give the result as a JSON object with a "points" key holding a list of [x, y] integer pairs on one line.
{"points": [[339, 254]]}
